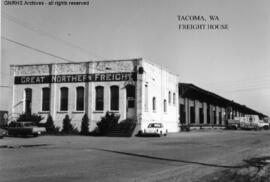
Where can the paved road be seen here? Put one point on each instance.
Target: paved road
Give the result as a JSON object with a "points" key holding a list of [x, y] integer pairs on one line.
{"points": [[178, 157]]}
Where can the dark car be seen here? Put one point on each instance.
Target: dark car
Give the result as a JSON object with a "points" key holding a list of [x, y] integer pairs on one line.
{"points": [[2, 133], [24, 129]]}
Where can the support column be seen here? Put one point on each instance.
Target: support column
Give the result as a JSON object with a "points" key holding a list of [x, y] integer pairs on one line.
{"points": [[211, 115]]}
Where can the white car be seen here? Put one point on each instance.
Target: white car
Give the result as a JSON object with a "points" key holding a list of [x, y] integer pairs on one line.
{"points": [[155, 129], [263, 125]]}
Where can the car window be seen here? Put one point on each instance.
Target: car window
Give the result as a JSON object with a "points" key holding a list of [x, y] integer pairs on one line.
{"points": [[12, 124], [28, 124], [18, 125], [155, 125]]}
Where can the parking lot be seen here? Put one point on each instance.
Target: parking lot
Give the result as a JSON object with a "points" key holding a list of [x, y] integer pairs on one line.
{"points": [[178, 157]]}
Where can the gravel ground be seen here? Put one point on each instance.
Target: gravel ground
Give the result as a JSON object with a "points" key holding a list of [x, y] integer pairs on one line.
{"points": [[193, 156]]}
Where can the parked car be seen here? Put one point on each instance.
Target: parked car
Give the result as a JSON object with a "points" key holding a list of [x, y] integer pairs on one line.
{"points": [[252, 122], [263, 125], [2, 133], [155, 129], [24, 129], [233, 124]]}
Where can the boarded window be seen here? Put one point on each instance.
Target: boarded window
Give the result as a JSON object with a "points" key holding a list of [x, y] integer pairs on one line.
{"points": [[154, 103], [64, 99], [174, 99], [80, 98], [99, 98], [114, 98], [165, 105], [146, 98], [45, 99], [169, 97]]}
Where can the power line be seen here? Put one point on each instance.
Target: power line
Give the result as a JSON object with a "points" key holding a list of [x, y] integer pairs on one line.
{"points": [[246, 80], [44, 33], [244, 90], [37, 50], [243, 86]]}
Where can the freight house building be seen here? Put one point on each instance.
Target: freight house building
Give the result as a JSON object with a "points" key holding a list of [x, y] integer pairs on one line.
{"points": [[135, 89]]}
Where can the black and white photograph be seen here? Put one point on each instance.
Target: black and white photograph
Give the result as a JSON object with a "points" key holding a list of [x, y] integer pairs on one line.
{"points": [[135, 91]]}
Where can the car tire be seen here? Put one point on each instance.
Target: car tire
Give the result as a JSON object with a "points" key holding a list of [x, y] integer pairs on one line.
{"points": [[35, 134]]}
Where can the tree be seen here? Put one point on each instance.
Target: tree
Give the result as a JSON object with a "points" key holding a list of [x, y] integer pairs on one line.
{"points": [[34, 118], [107, 123], [50, 128], [67, 126], [85, 125]]}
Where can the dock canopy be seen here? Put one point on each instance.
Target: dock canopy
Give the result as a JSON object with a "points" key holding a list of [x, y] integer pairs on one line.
{"points": [[188, 90]]}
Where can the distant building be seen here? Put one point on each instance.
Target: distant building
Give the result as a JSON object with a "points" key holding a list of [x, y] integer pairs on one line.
{"points": [[201, 108], [134, 88]]}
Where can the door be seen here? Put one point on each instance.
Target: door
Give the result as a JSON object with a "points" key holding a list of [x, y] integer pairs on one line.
{"points": [[131, 112]]}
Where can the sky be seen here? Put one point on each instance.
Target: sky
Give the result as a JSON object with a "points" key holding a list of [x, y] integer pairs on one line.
{"points": [[233, 63]]}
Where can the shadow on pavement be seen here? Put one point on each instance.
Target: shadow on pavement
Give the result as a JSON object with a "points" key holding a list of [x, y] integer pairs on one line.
{"points": [[171, 160]]}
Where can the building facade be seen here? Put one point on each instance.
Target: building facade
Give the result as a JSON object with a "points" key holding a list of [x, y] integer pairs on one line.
{"points": [[135, 89]]}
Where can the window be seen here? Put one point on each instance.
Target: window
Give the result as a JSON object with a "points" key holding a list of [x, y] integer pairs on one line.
{"points": [[64, 99], [80, 98], [154, 103], [130, 96], [99, 98], [45, 99], [165, 105], [114, 98], [146, 98], [169, 97], [174, 98], [28, 101]]}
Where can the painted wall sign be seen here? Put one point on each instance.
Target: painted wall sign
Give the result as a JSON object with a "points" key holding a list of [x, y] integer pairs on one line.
{"points": [[96, 77]]}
